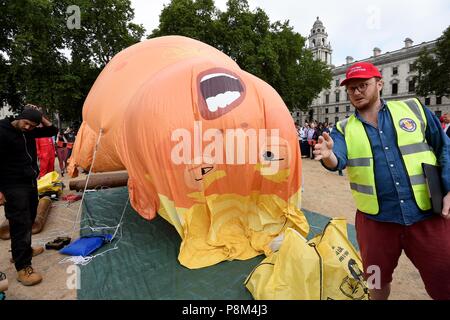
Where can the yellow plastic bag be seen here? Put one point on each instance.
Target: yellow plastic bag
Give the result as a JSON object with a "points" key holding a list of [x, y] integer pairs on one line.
{"points": [[326, 267], [50, 183]]}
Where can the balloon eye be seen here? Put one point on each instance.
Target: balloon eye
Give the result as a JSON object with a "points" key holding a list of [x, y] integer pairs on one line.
{"points": [[205, 170], [268, 155]]}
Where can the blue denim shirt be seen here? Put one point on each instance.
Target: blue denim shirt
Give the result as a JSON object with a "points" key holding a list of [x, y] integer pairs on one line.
{"points": [[395, 196]]}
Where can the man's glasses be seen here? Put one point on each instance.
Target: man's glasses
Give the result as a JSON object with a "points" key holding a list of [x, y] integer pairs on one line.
{"points": [[362, 87]]}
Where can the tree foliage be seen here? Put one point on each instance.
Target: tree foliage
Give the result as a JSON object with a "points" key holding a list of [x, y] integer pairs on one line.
{"points": [[434, 68], [196, 19], [273, 52], [45, 62]]}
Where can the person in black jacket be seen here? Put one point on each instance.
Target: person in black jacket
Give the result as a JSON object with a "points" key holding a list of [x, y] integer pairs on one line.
{"points": [[18, 185]]}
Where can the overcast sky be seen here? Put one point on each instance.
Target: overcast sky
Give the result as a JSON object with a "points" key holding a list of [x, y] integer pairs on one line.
{"points": [[354, 27]]}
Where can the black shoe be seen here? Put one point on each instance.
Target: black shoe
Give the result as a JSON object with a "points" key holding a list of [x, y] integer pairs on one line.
{"points": [[58, 243]]}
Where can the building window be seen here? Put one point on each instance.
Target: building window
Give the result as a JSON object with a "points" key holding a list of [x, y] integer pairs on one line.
{"points": [[347, 108], [336, 109], [438, 100], [327, 98], [336, 119], [337, 96], [412, 85], [326, 120], [412, 67], [337, 82], [394, 88], [427, 101], [346, 97], [326, 110], [394, 71]]}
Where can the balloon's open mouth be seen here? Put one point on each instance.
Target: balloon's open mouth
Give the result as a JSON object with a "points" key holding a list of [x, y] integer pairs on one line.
{"points": [[220, 91]]}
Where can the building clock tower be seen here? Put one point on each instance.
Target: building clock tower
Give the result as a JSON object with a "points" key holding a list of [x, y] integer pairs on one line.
{"points": [[318, 43]]}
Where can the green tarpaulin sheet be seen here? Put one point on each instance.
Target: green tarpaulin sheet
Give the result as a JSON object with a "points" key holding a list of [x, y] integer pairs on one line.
{"points": [[145, 264]]}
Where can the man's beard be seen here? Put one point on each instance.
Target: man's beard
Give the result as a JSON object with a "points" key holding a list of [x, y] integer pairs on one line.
{"points": [[368, 104]]}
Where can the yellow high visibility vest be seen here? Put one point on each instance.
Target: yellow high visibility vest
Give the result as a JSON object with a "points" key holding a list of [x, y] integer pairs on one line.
{"points": [[410, 123]]}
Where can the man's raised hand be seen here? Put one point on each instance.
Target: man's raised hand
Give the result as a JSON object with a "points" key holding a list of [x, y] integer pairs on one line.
{"points": [[324, 147]]}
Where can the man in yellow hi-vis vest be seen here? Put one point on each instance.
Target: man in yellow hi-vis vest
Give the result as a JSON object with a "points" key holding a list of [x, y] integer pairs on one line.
{"points": [[383, 145]]}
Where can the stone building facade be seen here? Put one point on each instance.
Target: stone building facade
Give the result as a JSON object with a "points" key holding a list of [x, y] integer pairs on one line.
{"points": [[396, 68]]}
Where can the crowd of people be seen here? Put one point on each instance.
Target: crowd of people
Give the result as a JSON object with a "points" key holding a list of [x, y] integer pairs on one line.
{"points": [[50, 148], [308, 135]]}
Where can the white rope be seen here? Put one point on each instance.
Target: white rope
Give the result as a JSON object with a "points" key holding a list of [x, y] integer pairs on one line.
{"points": [[86, 260], [52, 234], [80, 260], [121, 218], [87, 181], [58, 233]]}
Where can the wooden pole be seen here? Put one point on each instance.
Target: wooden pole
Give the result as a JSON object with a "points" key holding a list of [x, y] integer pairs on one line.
{"points": [[100, 180], [4, 230], [44, 205], [42, 213]]}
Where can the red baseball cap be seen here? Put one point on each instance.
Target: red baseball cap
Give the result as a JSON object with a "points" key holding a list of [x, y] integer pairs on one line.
{"points": [[361, 70]]}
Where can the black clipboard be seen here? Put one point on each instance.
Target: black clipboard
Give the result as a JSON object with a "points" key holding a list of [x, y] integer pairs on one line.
{"points": [[434, 184]]}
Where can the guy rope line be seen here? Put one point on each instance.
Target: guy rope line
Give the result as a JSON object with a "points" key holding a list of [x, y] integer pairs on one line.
{"points": [[85, 260], [87, 181]]}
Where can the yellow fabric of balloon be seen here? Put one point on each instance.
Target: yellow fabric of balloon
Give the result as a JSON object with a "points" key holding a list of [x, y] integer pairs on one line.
{"points": [[326, 267]]}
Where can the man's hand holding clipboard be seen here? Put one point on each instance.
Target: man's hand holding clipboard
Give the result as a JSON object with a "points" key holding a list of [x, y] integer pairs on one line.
{"points": [[446, 206], [440, 202]]}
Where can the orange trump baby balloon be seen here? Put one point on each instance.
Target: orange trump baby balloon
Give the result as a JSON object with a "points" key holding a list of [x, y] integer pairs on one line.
{"points": [[208, 146]]}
